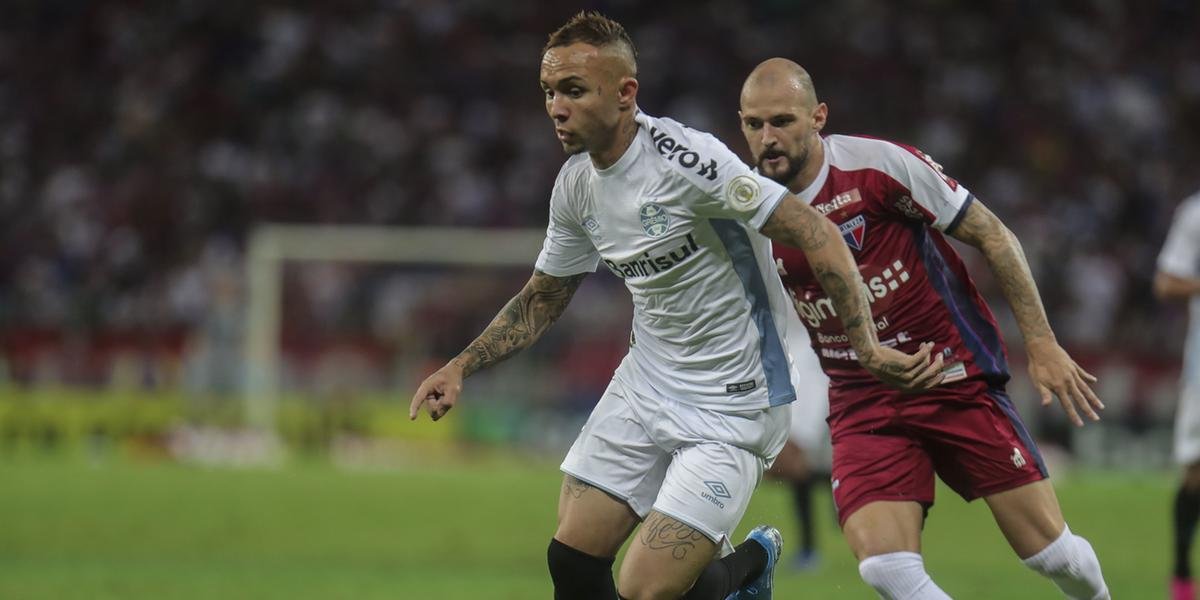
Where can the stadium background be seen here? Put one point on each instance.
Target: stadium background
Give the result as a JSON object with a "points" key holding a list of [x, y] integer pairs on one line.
{"points": [[142, 144]]}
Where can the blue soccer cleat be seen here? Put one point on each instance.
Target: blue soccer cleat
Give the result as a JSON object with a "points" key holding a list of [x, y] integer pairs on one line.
{"points": [[760, 589]]}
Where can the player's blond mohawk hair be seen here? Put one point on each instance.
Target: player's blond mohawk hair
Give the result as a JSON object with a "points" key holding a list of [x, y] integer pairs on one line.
{"points": [[590, 27]]}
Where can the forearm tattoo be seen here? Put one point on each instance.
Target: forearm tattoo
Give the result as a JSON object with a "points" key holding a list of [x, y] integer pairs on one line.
{"points": [[1011, 269], [661, 532], [539, 304], [982, 229], [575, 488]]}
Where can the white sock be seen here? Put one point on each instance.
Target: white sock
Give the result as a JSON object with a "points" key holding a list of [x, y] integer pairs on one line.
{"points": [[900, 576], [1072, 565]]}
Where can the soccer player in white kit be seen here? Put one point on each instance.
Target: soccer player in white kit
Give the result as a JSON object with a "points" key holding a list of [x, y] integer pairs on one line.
{"points": [[697, 408], [1178, 278]]}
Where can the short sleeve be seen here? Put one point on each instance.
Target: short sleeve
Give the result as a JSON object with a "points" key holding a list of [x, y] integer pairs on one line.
{"points": [[1180, 254], [729, 188], [925, 193], [567, 250]]}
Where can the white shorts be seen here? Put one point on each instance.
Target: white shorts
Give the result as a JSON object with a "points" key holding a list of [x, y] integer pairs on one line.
{"points": [[1187, 425], [695, 465]]}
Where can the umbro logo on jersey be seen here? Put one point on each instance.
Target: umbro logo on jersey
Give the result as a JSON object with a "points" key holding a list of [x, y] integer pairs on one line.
{"points": [[853, 231], [687, 158], [652, 265], [590, 224]]}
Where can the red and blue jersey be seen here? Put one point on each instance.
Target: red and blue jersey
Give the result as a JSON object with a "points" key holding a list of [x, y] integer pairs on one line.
{"points": [[893, 204]]}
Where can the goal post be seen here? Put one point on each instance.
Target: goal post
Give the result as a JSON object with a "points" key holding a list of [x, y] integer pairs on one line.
{"points": [[271, 246]]}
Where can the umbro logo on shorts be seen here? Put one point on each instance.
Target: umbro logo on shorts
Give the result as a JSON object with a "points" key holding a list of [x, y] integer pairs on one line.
{"points": [[716, 491]]}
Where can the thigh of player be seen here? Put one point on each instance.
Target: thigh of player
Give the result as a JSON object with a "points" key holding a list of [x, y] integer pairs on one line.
{"points": [[613, 474], [981, 448], [882, 486], [704, 495]]}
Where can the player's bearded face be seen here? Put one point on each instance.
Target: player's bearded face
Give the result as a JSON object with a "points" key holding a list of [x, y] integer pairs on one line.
{"points": [[781, 165]]}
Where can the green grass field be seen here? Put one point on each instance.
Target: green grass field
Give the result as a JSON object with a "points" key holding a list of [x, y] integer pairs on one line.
{"points": [[117, 530]]}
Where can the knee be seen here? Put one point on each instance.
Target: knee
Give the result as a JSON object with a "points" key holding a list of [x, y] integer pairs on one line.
{"points": [[570, 567]]}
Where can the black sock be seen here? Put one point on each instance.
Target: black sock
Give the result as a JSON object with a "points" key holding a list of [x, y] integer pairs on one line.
{"points": [[802, 501], [1187, 513], [727, 575], [578, 575]]}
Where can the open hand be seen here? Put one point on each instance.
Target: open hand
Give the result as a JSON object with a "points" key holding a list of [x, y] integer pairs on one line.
{"points": [[1054, 373]]}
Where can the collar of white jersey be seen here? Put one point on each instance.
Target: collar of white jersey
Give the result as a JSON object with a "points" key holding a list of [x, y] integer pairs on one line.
{"points": [[631, 153]]}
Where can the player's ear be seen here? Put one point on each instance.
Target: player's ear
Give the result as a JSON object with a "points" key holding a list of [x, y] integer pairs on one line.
{"points": [[819, 114], [627, 89]]}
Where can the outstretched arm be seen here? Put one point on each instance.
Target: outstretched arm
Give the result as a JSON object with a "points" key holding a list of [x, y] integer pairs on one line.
{"points": [[1050, 367], [798, 224], [521, 322]]}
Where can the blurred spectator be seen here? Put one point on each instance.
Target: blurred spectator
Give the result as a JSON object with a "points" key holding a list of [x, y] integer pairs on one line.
{"points": [[139, 143]]}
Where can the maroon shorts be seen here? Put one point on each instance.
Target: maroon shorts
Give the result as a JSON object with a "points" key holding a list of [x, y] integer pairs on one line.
{"points": [[888, 446]]}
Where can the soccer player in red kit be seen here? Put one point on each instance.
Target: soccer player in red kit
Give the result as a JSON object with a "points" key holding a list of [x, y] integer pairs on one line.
{"points": [[893, 205]]}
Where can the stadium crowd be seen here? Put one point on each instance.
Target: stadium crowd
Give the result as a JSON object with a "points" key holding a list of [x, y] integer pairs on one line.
{"points": [[141, 142]]}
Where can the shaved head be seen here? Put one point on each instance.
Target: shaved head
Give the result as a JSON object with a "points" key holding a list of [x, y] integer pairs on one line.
{"points": [[782, 121], [781, 75]]}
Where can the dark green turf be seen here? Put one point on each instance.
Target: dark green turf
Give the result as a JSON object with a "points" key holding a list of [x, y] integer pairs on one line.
{"points": [[115, 530]]}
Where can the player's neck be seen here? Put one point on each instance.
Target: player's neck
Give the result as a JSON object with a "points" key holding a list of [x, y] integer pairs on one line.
{"points": [[812, 168], [622, 138]]}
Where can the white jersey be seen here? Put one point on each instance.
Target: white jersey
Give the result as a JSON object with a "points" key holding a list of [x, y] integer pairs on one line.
{"points": [[1180, 256], [677, 218]]}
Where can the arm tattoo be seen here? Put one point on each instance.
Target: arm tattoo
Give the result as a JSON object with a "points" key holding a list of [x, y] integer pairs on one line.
{"points": [[575, 488], [982, 229], [521, 321], [661, 532], [798, 225]]}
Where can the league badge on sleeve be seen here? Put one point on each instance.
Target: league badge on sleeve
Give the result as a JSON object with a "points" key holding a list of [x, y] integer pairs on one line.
{"points": [[744, 193], [853, 231]]}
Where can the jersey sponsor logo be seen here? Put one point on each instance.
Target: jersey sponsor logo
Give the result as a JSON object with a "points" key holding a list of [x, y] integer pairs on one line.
{"points": [[849, 353], [686, 157], [715, 493], [839, 201], [655, 219], [877, 288], [937, 168], [647, 265], [906, 207], [853, 231], [744, 193], [590, 224]]}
